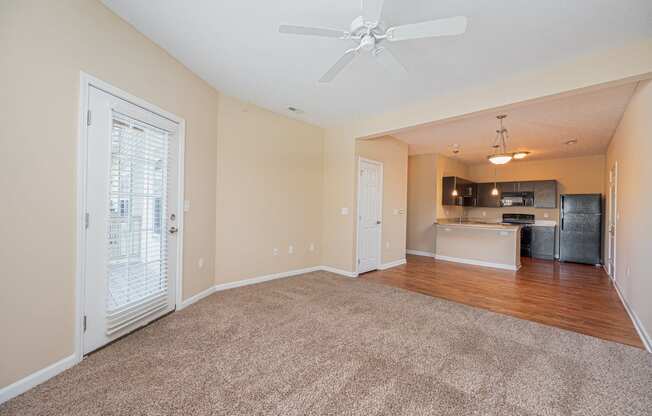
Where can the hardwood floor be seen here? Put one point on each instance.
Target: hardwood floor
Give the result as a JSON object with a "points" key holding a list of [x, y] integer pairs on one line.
{"points": [[575, 297]]}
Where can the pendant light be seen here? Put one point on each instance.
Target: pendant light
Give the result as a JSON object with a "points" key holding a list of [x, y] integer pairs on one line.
{"points": [[494, 191], [456, 150], [455, 193], [500, 156]]}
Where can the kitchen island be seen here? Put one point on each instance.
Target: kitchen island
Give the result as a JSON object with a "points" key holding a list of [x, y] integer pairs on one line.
{"points": [[480, 243]]}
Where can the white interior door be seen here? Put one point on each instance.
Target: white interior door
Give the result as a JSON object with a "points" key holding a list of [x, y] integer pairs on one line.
{"points": [[370, 198], [131, 235], [613, 204]]}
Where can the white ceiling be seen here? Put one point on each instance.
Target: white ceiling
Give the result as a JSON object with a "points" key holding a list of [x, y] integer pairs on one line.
{"points": [[540, 127], [236, 47]]}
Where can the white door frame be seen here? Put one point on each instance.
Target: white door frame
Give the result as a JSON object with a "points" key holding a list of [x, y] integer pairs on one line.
{"points": [[613, 210], [86, 81], [357, 218]]}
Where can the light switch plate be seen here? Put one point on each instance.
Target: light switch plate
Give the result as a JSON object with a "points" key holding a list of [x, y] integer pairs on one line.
{"points": [[186, 205], [345, 211]]}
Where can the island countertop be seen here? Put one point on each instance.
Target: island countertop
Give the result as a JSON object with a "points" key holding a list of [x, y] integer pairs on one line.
{"points": [[480, 243], [477, 224]]}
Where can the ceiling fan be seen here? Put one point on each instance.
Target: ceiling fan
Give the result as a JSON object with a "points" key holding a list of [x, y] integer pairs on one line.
{"points": [[370, 33]]}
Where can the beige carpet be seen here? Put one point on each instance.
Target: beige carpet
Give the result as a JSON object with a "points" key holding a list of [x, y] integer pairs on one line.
{"points": [[326, 345]]}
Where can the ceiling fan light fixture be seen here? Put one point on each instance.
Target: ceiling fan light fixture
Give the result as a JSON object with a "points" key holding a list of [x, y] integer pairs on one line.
{"points": [[500, 158], [520, 155]]}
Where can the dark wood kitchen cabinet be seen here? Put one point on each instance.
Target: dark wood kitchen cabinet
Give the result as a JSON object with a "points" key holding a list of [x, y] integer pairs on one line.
{"points": [[545, 194], [448, 184], [467, 192], [543, 242], [526, 186], [509, 186], [485, 199]]}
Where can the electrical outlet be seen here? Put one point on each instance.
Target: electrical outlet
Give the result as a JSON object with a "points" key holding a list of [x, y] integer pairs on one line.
{"points": [[484, 213], [345, 211], [628, 271], [546, 215], [312, 247], [291, 249], [200, 263], [275, 252], [387, 244], [395, 211], [401, 211]]}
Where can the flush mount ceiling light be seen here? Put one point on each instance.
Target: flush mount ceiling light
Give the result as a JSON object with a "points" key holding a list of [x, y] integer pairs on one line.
{"points": [[500, 156], [520, 155], [570, 142]]}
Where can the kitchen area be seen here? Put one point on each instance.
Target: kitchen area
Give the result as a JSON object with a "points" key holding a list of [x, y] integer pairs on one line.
{"points": [[498, 223]]}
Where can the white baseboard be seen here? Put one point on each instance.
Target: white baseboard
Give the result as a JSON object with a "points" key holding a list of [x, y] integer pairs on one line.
{"points": [[266, 278], [199, 296], [36, 378], [245, 282], [339, 271], [645, 337], [420, 253], [391, 264], [478, 262]]}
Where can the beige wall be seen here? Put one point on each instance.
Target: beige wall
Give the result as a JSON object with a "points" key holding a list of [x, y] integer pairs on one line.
{"points": [[338, 229], [253, 178], [44, 46], [631, 148], [393, 154], [269, 192], [421, 205], [581, 175]]}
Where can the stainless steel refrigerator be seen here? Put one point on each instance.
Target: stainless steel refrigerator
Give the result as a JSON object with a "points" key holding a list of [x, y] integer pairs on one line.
{"points": [[580, 236]]}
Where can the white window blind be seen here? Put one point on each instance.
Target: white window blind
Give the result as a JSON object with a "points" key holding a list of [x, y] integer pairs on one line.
{"points": [[137, 278]]}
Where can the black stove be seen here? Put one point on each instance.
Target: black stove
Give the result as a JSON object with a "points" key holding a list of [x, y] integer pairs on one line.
{"points": [[525, 220]]}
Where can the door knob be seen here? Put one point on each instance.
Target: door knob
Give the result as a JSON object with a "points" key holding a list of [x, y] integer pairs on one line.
{"points": [[377, 222], [173, 230]]}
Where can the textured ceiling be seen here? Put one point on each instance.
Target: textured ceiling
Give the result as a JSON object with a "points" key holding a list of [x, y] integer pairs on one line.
{"points": [[540, 127], [236, 47]]}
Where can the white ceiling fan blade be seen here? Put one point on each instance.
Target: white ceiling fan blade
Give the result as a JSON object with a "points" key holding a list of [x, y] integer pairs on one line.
{"points": [[387, 59], [312, 31], [339, 65], [441, 27], [372, 9]]}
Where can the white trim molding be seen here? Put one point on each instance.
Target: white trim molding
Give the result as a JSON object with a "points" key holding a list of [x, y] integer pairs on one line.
{"points": [[338, 271], [245, 282], [420, 253], [391, 264], [478, 263], [36, 378], [642, 333]]}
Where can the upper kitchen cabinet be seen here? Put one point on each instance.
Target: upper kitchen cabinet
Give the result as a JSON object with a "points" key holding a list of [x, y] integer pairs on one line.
{"points": [[485, 199], [509, 187], [545, 194], [448, 184], [526, 186], [466, 191]]}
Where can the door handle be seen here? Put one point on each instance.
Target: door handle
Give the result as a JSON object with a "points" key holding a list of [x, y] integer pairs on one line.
{"points": [[377, 222], [173, 230]]}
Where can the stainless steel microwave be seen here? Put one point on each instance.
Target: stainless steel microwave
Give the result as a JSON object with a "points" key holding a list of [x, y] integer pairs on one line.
{"points": [[517, 199]]}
